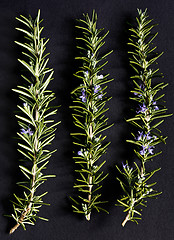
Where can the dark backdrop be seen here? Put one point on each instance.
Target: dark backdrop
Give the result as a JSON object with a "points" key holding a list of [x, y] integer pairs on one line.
{"points": [[59, 21]]}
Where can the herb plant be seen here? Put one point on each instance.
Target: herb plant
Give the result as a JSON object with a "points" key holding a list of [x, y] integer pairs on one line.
{"points": [[37, 129], [148, 116], [89, 101]]}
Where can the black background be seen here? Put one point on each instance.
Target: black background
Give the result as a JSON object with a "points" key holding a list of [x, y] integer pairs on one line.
{"points": [[59, 21]]}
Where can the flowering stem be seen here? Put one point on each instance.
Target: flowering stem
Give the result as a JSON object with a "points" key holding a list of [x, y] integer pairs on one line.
{"points": [[90, 178], [89, 103], [28, 207], [136, 187], [36, 112]]}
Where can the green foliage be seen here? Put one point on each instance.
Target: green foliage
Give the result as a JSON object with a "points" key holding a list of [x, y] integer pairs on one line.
{"points": [[88, 108], [37, 129], [148, 116]]}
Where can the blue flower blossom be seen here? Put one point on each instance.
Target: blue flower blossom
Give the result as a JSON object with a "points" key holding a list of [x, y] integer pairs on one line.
{"points": [[155, 106], [148, 137], [83, 96], [28, 131], [139, 137], [147, 149], [142, 136], [135, 93], [143, 151], [25, 105], [100, 76], [100, 96], [80, 153], [142, 108], [142, 87], [23, 131], [124, 165], [150, 149], [96, 88]]}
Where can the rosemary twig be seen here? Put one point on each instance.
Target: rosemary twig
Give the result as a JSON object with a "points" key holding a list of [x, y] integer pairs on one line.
{"points": [[88, 113], [150, 110], [37, 130]]}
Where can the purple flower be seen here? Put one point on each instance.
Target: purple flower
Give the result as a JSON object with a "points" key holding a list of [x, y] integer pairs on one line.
{"points": [[143, 136], [155, 106], [100, 77], [148, 137], [142, 88], [96, 88], [135, 93], [28, 131], [150, 149], [124, 165], [25, 104], [83, 96], [143, 151], [80, 153], [23, 131], [142, 108], [139, 137], [100, 96]]}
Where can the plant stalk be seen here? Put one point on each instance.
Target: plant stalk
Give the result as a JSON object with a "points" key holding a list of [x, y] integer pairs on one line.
{"points": [[25, 212], [88, 216], [126, 219]]}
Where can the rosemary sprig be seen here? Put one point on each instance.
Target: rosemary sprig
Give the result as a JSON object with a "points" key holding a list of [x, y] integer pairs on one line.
{"points": [[37, 129], [148, 116], [89, 101]]}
